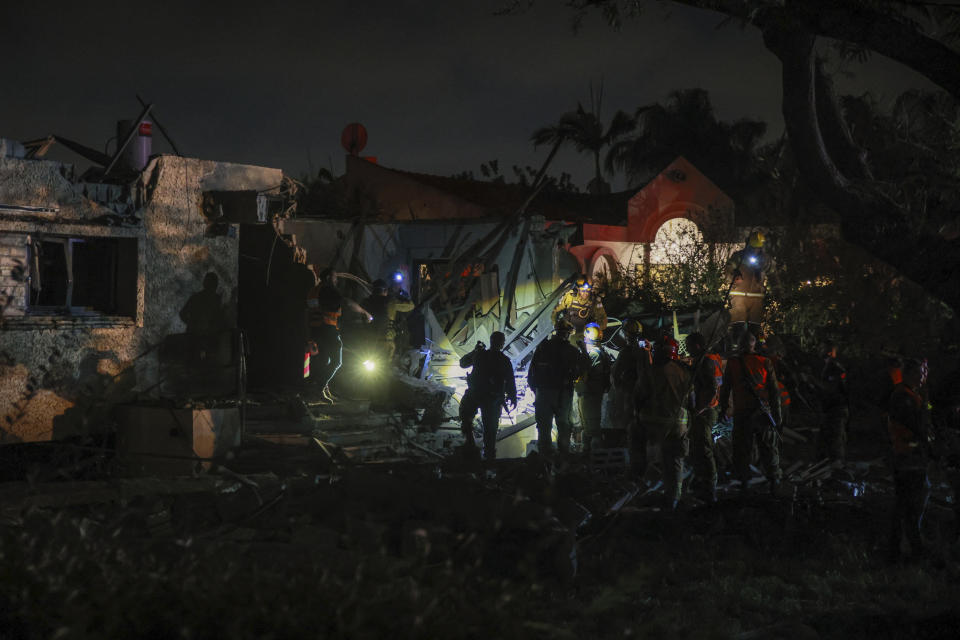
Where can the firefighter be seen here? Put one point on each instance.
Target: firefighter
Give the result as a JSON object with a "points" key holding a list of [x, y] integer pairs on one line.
{"points": [[749, 378], [662, 416], [592, 386], [634, 356], [384, 306], [555, 366], [324, 308], [490, 387], [907, 428], [581, 306], [707, 378], [746, 270], [835, 407]]}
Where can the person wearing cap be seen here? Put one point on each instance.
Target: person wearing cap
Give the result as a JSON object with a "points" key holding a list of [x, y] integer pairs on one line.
{"points": [[555, 367], [704, 412], [384, 307], [750, 380], [746, 271], [592, 386], [490, 387], [581, 306], [662, 417]]}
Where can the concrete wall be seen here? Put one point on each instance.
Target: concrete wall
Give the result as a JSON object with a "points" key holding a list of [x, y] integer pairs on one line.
{"points": [[60, 376]]}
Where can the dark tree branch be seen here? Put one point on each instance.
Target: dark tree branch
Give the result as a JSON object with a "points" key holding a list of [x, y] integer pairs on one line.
{"points": [[851, 159], [854, 22], [869, 218]]}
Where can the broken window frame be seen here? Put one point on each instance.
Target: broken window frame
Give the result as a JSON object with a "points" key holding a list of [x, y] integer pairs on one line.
{"points": [[111, 279]]}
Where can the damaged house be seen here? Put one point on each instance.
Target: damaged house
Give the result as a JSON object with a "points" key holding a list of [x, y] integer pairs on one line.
{"points": [[121, 291], [480, 257]]}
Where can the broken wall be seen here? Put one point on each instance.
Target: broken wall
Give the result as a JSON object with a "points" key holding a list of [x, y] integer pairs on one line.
{"points": [[62, 371]]}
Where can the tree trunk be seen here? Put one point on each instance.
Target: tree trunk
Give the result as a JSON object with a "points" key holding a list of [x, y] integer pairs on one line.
{"points": [[869, 218]]}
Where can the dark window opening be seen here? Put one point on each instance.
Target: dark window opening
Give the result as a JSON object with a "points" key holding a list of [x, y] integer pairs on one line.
{"points": [[83, 276]]}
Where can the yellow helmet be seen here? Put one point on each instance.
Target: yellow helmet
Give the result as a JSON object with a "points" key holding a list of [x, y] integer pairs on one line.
{"points": [[632, 327], [756, 239], [592, 332]]}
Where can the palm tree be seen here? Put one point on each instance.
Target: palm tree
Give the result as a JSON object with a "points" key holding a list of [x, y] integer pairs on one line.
{"points": [[585, 131], [687, 126]]}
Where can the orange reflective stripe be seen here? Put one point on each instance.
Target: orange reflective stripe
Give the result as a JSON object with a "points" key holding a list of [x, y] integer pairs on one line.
{"points": [[903, 439]]}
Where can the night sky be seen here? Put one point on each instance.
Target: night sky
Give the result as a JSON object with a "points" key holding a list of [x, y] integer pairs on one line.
{"points": [[440, 86]]}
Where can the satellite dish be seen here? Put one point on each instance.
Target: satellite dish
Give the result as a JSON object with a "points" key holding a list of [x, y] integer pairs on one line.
{"points": [[354, 138]]}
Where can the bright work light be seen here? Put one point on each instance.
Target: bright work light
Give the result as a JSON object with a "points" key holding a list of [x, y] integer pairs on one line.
{"points": [[752, 259], [398, 277], [369, 365]]}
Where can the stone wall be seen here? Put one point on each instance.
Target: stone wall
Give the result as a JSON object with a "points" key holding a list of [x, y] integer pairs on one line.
{"points": [[59, 375]]}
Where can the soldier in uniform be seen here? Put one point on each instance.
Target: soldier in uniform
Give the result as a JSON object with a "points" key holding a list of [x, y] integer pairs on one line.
{"points": [[634, 357], [581, 306], [555, 366], [592, 386], [490, 386], [750, 379], [835, 404], [662, 415], [707, 378]]}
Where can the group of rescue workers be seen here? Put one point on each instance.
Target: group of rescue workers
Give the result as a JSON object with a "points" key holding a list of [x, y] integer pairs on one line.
{"points": [[658, 399]]}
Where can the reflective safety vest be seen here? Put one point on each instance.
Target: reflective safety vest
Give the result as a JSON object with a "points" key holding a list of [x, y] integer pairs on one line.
{"points": [[784, 392], [757, 370], [904, 439], [715, 361]]}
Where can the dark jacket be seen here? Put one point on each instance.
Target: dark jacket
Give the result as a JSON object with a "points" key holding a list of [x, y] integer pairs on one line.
{"points": [[492, 374], [556, 364]]}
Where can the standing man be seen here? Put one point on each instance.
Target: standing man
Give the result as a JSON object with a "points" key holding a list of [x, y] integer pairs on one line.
{"points": [[750, 379], [324, 308], [592, 386], [746, 270], [384, 306], [580, 306], [776, 351], [835, 404], [555, 367], [908, 438], [707, 378], [490, 386], [662, 415], [633, 358]]}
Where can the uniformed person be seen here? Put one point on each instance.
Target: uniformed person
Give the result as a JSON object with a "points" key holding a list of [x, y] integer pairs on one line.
{"points": [[581, 306], [835, 407], [776, 351], [634, 356], [749, 378], [592, 386], [490, 387], [384, 306], [662, 416], [707, 378], [555, 366], [907, 428], [746, 270]]}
